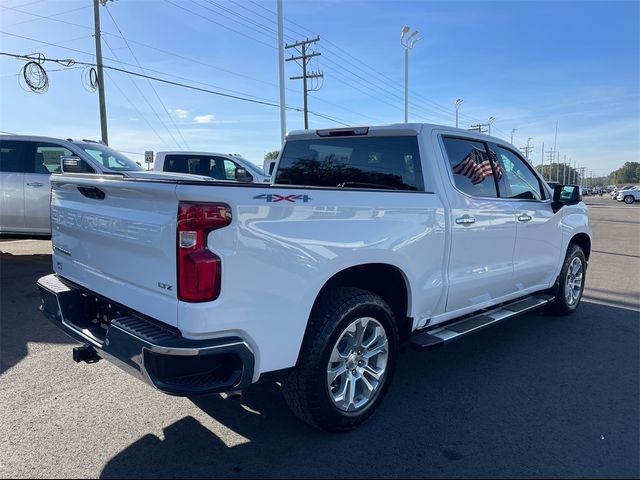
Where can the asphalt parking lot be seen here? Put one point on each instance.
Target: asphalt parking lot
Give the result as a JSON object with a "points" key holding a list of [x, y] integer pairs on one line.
{"points": [[538, 396]]}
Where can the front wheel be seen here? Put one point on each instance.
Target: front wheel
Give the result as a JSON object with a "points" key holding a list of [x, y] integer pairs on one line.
{"points": [[629, 199], [346, 362], [570, 283]]}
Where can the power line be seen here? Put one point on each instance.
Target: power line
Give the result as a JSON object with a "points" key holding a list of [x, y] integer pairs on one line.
{"points": [[113, 80], [149, 81], [43, 17], [218, 23], [144, 97], [190, 87]]}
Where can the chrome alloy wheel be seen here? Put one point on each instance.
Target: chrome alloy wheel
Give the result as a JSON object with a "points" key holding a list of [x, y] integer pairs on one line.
{"points": [[357, 364], [573, 285]]}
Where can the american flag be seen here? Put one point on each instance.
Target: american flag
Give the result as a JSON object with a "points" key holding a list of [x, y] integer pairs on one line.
{"points": [[475, 168]]}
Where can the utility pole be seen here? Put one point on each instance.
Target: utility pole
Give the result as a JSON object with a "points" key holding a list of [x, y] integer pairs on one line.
{"points": [[283, 107], [551, 153], [527, 149], [304, 56], [512, 132], [479, 127], [103, 106]]}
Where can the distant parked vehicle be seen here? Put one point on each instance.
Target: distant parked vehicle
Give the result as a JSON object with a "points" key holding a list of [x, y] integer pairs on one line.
{"points": [[26, 162], [220, 166], [629, 196], [615, 191], [553, 184]]}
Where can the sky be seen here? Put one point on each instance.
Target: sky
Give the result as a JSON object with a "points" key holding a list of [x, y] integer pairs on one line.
{"points": [[529, 64]]}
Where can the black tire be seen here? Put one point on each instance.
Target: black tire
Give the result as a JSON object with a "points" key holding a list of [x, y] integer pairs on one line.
{"points": [[629, 199], [560, 304], [305, 388]]}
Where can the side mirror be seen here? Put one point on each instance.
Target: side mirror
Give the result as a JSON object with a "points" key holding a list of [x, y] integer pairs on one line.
{"points": [[71, 165], [243, 176], [565, 195]]}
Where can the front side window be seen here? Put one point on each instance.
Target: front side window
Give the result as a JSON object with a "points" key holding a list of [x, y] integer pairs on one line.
{"points": [[517, 180], [222, 168], [471, 166], [47, 159], [388, 163]]}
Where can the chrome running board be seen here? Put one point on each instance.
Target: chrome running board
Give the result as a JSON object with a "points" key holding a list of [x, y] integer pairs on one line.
{"points": [[429, 338]]}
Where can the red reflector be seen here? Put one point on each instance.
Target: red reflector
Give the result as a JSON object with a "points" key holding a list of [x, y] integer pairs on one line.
{"points": [[199, 269]]}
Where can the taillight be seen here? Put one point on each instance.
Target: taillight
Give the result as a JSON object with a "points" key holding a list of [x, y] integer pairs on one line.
{"points": [[199, 269]]}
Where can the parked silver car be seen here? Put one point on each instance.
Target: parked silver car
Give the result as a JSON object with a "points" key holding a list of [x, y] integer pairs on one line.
{"points": [[26, 163]]}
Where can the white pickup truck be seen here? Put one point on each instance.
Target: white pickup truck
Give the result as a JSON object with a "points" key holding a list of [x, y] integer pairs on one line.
{"points": [[367, 239]]}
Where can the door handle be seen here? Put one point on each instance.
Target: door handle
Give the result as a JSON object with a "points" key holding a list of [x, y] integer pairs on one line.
{"points": [[524, 218], [465, 220], [36, 184]]}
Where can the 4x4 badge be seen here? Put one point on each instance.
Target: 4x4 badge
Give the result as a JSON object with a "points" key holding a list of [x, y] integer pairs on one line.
{"points": [[274, 197]]}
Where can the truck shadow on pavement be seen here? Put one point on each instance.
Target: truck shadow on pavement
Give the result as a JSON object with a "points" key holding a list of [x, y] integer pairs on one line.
{"points": [[20, 320], [538, 396]]}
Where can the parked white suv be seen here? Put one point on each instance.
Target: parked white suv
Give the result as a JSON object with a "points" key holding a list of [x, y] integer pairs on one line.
{"points": [[220, 166], [628, 196], [26, 162], [367, 238]]}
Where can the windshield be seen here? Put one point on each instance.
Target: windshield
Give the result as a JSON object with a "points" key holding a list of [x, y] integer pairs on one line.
{"points": [[109, 158], [252, 166]]}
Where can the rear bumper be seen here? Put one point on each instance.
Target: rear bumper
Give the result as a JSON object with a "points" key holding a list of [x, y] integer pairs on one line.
{"points": [[149, 350]]}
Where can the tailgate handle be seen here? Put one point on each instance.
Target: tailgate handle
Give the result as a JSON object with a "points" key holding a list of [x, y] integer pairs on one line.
{"points": [[92, 192]]}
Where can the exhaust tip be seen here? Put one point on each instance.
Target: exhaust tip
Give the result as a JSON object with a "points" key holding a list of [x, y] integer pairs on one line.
{"points": [[232, 395]]}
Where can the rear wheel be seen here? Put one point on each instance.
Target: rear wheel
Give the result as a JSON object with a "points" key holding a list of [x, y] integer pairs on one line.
{"points": [[346, 362], [570, 283], [629, 199]]}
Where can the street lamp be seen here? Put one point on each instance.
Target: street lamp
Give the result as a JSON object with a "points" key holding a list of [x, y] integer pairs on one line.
{"points": [[407, 42], [528, 148], [489, 122], [512, 132], [458, 103]]}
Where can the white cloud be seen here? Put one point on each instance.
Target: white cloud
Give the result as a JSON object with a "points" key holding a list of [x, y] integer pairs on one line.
{"points": [[180, 113], [204, 118]]}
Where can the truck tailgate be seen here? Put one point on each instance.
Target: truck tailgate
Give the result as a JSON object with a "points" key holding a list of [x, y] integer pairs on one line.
{"points": [[117, 238]]}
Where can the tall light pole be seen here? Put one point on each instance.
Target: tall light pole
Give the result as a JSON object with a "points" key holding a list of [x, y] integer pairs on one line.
{"points": [[283, 112], [489, 122], [407, 41], [512, 132], [459, 102], [528, 147]]}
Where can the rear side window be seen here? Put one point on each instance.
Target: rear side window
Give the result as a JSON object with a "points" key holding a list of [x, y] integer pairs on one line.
{"points": [[472, 169], [14, 157], [386, 163]]}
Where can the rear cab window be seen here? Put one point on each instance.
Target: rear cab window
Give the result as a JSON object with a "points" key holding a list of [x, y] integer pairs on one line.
{"points": [[368, 162]]}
